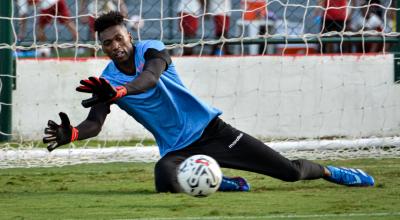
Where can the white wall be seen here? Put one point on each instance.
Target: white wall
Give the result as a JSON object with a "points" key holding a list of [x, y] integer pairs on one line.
{"points": [[270, 96]]}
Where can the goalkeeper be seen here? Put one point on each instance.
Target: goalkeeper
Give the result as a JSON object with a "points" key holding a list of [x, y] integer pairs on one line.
{"points": [[142, 80]]}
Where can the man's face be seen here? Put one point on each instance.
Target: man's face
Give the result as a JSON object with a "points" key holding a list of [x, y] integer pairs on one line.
{"points": [[116, 43]]}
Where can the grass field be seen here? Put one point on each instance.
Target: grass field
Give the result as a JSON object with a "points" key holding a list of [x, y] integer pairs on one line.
{"points": [[126, 191]]}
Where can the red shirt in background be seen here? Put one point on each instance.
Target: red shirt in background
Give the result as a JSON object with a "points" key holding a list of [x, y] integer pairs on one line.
{"points": [[333, 12]]}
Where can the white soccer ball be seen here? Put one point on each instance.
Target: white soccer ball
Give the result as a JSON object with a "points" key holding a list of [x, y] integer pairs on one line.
{"points": [[44, 52], [199, 175], [135, 22]]}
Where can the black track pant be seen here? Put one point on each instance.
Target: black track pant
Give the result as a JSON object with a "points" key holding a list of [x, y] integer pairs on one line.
{"points": [[232, 148]]}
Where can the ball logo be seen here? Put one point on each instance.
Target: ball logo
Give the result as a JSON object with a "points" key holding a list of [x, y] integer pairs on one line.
{"points": [[203, 161], [200, 170]]}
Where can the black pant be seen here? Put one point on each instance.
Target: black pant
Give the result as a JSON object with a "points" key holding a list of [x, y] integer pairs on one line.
{"points": [[232, 148]]}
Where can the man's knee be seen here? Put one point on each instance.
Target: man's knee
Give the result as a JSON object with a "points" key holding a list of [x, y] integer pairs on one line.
{"points": [[165, 177], [294, 173]]}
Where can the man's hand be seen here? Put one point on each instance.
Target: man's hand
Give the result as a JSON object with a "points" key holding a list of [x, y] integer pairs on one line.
{"points": [[102, 91], [58, 135]]}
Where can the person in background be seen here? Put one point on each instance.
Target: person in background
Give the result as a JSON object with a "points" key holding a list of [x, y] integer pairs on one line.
{"points": [[374, 22], [369, 16], [390, 22], [95, 8], [221, 12], [353, 20], [260, 21], [189, 11], [254, 9], [47, 10], [333, 19]]}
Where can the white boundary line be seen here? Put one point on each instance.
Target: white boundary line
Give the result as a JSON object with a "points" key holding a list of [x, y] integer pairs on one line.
{"points": [[373, 214]]}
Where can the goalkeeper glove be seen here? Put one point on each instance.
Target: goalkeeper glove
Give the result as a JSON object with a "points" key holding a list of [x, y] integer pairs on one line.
{"points": [[59, 134], [102, 91]]}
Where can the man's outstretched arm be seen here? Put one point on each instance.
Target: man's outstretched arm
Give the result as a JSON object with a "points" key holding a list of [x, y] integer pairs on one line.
{"points": [[156, 63], [60, 134]]}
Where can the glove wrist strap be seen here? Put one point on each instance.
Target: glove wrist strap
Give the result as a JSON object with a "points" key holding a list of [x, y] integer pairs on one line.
{"points": [[74, 134], [121, 92]]}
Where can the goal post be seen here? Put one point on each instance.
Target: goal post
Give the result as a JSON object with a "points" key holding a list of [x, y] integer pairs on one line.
{"points": [[396, 49], [6, 66]]}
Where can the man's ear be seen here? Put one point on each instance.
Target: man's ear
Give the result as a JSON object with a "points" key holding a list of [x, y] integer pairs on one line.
{"points": [[130, 36]]}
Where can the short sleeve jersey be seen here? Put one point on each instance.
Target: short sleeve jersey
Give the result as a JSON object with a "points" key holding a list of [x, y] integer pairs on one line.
{"points": [[169, 111]]}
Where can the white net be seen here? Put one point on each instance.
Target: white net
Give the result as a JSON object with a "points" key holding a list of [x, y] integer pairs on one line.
{"points": [[301, 101], [30, 156]]}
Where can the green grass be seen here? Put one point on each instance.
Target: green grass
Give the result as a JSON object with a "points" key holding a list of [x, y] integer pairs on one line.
{"points": [[126, 191], [79, 144]]}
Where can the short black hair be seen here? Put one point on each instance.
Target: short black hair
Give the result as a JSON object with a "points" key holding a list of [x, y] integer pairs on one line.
{"points": [[107, 20]]}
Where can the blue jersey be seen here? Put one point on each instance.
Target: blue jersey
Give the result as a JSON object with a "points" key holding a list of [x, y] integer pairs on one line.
{"points": [[169, 111]]}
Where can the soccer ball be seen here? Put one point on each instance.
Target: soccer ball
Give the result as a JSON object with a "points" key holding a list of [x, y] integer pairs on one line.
{"points": [[135, 22], [199, 175]]}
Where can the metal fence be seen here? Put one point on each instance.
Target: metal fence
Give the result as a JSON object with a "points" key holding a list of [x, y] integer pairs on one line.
{"points": [[162, 19]]}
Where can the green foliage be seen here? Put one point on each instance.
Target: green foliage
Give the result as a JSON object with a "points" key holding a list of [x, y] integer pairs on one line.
{"points": [[126, 191]]}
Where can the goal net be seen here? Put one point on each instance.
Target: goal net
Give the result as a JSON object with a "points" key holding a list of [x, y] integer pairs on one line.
{"points": [[289, 76]]}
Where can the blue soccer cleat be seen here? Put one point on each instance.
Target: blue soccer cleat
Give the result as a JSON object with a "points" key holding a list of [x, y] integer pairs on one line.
{"points": [[234, 184], [349, 176]]}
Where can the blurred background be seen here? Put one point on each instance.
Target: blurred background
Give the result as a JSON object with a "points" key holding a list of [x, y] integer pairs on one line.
{"points": [[191, 23]]}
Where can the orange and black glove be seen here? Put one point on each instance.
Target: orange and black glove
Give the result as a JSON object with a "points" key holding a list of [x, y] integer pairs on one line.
{"points": [[102, 91], [58, 135]]}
